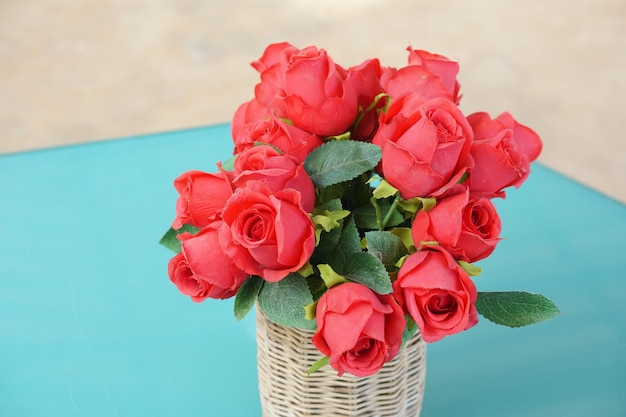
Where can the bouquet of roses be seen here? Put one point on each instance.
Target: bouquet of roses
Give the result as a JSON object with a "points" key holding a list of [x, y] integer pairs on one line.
{"points": [[356, 204]]}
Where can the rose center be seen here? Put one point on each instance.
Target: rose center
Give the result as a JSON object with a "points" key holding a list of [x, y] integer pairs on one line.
{"points": [[446, 126], [362, 347], [442, 304], [254, 228], [480, 219]]}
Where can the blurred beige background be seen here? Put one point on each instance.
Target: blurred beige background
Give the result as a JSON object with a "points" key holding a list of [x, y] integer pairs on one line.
{"points": [[75, 71]]}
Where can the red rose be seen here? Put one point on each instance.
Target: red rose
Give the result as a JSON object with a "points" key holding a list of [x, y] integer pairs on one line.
{"points": [[527, 141], [437, 293], [445, 69], [273, 55], [425, 145], [318, 95], [413, 79], [270, 234], [202, 269], [247, 114], [272, 66], [358, 329], [367, 79], [502, 151], [274, 131], [466, 226], [201, 198], [278, 171]]}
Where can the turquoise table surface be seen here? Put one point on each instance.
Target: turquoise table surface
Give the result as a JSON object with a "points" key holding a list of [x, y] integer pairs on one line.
{"points": [[91, 326]]}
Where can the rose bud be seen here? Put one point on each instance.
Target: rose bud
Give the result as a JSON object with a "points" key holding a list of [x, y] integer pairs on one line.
{"points": [[279, 171], [437, 293], [425, 146], [202, 269], [466, 226], [269, 233], [202, 197], [358, 329], [502, 150]]}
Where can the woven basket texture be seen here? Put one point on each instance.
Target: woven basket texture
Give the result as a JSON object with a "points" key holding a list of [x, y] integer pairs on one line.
{"points": [[285, 354]]}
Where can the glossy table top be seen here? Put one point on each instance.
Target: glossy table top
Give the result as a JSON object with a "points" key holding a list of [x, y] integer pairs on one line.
{"points": [[91, 326]]}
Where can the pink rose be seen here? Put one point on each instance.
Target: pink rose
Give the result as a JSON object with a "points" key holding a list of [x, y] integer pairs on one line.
{"points": [[445, 69], [358, 329], [466, 226], [269, 233], [202, 197], [319, 97], [274, 131], [437, 293], [425, 145], [502, 151], [279, 171], [202, 270]]}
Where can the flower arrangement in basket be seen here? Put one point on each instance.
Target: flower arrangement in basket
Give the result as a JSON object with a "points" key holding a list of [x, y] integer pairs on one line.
{"points": [[355, 205]]}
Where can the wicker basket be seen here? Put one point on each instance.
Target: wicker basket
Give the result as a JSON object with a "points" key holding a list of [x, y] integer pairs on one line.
{"points": [[285, 354]]}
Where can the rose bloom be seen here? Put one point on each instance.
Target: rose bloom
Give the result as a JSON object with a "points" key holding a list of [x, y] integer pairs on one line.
{"points": [[367, 78], [202, 197], [279, 171], [268, 234], [437, 293], [247, 114], [202, 270], [272, 130], [273, 55], [425, 145], [319, 96], [358, 329], [466, 226], [272, 67], [445, 69], [502, 150], [304, 86]]}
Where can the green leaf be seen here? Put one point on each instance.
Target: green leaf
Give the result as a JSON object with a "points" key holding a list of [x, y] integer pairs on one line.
{"points": [[386, 247], [404, 234], [365, 215], [327, 240], [328, 220], [246, 296], [310, 310], [330, 277], [367, 270], [343, 136], [349, 243], [427, 203], [283, 302], [229, 164], [409, 330], [515, 308], [341, 160], [384, 190], [471, 269], [331, 192], [170, 240], [306, 270], [326, 248]]}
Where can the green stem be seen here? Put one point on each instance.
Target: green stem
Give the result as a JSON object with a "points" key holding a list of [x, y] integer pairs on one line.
{"points": [[377, 211], [393, 207]]}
